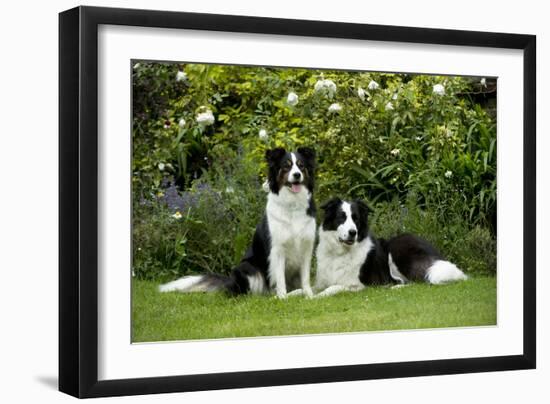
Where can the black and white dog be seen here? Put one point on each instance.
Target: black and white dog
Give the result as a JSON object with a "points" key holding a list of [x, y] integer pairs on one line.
{"points": [[279, 258], [349, 257]]}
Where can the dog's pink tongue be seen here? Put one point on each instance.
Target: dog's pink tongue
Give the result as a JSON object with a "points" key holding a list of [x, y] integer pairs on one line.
{"points": [[296, 188]]}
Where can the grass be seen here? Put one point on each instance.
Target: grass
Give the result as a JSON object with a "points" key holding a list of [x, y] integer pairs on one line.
{"points": [[176, 316]]}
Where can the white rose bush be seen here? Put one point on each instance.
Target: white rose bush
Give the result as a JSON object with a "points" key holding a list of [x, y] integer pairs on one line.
{"points": [[326, 87], [334, 108], [181, 76], [439, 89], [262, 134], [292, 99], [373, 85], [205, 118]]}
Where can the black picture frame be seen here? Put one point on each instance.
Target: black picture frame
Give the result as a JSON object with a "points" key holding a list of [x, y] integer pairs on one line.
{"points": [[78, 201]]}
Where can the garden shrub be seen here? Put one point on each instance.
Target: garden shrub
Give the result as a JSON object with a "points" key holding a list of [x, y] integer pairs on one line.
{"points": [[206, 228], [400, 141]]}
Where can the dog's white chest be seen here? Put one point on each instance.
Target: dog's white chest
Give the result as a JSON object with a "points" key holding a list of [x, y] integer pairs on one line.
{"points": [[287, 217], [338, 264], [291, 229]]}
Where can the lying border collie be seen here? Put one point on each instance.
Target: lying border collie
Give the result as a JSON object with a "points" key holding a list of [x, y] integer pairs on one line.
{"points": [[349, 257], [282, 247]]}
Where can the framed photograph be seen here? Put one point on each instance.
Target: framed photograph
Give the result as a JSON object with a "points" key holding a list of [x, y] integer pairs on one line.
{"points": [[250, 201]]}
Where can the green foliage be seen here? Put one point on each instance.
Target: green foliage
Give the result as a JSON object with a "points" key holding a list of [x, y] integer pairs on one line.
{"points": [[471, 247], [218, 218], [397, 144]]}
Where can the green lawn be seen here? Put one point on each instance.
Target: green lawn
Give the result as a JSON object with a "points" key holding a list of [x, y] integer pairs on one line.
{"points": [[176, 316]]}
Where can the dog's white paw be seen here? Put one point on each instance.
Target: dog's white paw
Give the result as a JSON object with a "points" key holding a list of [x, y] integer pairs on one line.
{"points": [[308, 292], [295, 292], [281, 295]]}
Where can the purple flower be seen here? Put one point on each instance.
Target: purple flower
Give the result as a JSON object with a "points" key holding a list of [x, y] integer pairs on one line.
{"points": [[181, 202]]}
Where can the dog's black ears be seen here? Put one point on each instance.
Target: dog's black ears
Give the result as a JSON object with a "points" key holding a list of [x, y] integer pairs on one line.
{"points": [[331, 204], [273, 156], [363, 207], [308, 153]]}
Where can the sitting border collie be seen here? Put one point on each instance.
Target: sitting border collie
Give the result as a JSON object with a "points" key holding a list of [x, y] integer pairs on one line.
{"points": [[282, 247], [349, 257]]}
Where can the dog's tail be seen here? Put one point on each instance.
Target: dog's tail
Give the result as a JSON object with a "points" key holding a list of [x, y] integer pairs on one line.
{"points": [[239, 282], [442, 271], [198, 283]]}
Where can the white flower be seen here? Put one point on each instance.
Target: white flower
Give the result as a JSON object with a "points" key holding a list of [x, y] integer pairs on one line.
{"points": [[181, 123], [394, 96], [181, 76], [161, 166], [373, 85], [292, 99], [262, 134], [395, 152], [229, 190], [439, 89], [205, 118], [319, 86], [335, 107], [265, 186], [325, 86], [167, 125], [419, 138], [361, 93], [331, 87], [177, 215], [483, 82], [136, 66], [448, 174], [389, 106]]}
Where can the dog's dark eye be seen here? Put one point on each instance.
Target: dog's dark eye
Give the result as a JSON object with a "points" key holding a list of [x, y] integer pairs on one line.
{"points": [[354, 217], [287, 165], [300, 164], [342, 216]]}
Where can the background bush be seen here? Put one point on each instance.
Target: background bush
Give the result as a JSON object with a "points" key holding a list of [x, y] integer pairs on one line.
{"points": [[423, 156]]}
